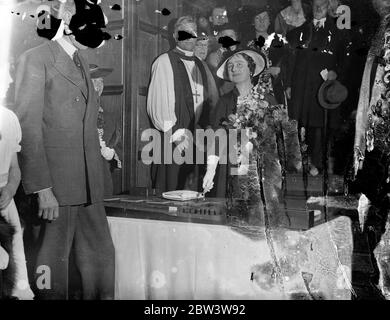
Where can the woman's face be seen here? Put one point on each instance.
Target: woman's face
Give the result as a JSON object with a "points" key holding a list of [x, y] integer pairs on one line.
{"points": [[201, 49], [238, 69], [262, 22]]}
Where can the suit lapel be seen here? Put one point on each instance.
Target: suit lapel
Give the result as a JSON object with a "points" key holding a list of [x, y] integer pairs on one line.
{"points": [[66, 66], [91, 107]]}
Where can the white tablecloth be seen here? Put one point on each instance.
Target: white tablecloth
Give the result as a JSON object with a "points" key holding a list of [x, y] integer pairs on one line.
{"points": [[175, 260]]}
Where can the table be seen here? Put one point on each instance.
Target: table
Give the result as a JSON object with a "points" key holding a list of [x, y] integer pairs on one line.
{"points": [[159, 258]]}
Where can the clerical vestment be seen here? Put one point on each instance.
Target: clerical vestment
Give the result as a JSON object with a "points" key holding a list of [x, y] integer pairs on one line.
{"points": [[177, 99]]}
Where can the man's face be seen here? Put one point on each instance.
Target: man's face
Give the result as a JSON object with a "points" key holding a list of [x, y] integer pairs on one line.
{"points": [[262, 22], [219, 17], [238, 70], [189, 44], [320, 9]]}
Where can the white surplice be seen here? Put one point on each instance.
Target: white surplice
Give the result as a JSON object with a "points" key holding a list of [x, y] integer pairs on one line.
{"points": [[161, 94]]}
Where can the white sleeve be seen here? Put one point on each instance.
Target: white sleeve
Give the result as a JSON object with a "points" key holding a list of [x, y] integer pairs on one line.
{"points": [[161, 95]]}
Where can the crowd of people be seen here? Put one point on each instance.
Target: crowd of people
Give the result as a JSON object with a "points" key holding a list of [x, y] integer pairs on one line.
{"points": [[305, 55]]}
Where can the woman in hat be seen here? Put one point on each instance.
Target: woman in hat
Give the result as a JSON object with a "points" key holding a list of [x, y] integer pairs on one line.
{"points": [[244, 182]]}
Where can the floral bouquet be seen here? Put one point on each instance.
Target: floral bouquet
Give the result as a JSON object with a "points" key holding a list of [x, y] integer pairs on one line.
{"points": [[262, 123]]}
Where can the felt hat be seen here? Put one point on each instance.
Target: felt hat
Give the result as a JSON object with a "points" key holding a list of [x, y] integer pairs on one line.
{"points": [[97, 72], [331, 94]]}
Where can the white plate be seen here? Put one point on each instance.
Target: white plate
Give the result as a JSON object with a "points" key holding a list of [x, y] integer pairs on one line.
{"points": [[182, 195]]}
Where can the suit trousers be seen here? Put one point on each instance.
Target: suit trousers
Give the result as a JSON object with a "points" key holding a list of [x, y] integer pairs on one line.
{"points": [[83, 232]]}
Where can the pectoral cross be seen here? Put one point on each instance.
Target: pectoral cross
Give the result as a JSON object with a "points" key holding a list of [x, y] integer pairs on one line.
{"points": [[196, 94]]}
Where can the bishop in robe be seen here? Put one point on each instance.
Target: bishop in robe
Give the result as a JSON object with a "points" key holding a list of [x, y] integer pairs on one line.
{"points": [[177, 104]]}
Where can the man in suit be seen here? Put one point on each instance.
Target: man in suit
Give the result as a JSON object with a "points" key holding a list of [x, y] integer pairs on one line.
{"points": [[61, 164], [317, 45]]}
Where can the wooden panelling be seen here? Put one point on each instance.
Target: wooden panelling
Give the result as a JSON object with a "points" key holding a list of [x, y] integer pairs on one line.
{"points": [[110, 55], [115, 25], [112, 106], [145, 9], [147, 52], [143, 171], [130, 96], [113, 14], [110, 90], [148, 28]]}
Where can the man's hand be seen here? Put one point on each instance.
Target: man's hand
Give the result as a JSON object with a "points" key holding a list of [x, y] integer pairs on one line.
{"points": [[181, 140], [6, 196], [288, 93], [274, 71], [48, 205], [332, 75], [182, 145]]}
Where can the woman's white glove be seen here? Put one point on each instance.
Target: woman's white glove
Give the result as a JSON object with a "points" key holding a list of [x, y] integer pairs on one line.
{"points": [[208, 180]]}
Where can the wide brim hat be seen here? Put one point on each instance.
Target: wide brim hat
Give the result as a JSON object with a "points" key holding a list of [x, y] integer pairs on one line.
{"points": [[257, 58], [98, 72], [332, 94]]}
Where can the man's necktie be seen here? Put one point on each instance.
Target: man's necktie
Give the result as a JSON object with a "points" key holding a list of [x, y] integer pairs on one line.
{"points": [[318, 24], [77, 61]]}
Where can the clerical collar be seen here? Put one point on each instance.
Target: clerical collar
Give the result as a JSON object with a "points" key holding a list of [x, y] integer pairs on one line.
{"points": [[186, 53], [69, 48]]}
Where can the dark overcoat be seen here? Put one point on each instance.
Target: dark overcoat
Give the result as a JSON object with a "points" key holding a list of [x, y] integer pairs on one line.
{"points": [[313, 51]]}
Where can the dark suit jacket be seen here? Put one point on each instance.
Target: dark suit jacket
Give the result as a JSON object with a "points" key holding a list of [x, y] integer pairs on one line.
{"points": [[58, 115]]}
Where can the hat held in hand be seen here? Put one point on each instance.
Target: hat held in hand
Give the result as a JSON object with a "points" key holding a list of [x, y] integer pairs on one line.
{"points": [[98, 72], [331, 94]]}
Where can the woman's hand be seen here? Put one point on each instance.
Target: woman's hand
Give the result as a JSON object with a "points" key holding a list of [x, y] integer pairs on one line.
{"points": [[6, 196], [208, 180], [288, 93]]}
